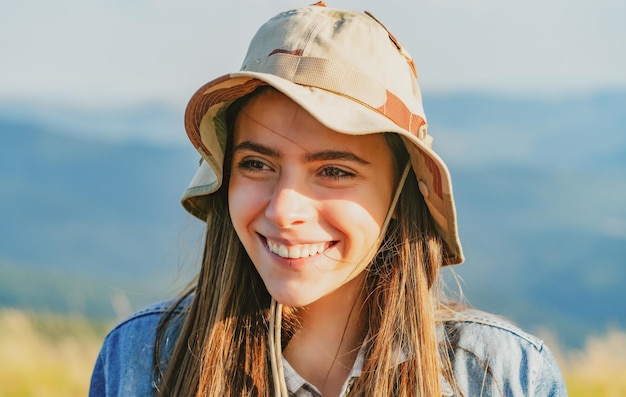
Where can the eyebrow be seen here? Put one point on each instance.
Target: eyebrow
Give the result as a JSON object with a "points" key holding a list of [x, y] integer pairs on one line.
{"points": [[310, 157], [257, 147], [335, 155]]}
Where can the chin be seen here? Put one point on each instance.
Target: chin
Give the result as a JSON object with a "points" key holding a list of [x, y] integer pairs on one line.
{"points": [[295, 299]]}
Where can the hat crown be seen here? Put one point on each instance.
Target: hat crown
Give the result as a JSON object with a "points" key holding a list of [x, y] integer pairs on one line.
{"points": [[343, 43]]}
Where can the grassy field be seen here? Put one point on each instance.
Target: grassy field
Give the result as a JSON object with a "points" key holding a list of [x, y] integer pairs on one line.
{"points": [[46, 355], [599, 369], [51, 355]]}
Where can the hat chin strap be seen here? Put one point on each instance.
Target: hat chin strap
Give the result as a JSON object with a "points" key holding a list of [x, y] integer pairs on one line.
{"points": [[275, 346], [276, 309], [396, 197]]}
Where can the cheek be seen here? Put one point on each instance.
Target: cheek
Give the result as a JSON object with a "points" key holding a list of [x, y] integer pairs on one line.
{"points": [[356, 218], [368, 206], [243, 203]]}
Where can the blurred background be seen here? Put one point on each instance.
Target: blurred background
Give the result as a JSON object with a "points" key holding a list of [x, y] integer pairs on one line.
{"points": [[526, 103]]}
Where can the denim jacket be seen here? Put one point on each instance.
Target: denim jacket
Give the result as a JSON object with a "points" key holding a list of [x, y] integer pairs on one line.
{"points": [[491, 357]]}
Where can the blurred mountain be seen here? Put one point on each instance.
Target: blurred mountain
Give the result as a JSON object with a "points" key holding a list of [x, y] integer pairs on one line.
{"points": [[90, 219]]}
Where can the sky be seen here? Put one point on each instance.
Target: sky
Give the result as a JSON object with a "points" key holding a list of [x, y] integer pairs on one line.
{"points": [[115, 53]]}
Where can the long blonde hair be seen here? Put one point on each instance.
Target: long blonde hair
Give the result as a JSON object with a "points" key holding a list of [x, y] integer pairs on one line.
{"points": [[222, 345]]}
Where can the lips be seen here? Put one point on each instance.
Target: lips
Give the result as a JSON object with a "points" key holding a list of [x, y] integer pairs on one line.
{"points": [[296, 251]]}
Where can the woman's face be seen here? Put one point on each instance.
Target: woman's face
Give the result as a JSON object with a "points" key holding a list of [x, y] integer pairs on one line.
{"points": [[308, 203]]}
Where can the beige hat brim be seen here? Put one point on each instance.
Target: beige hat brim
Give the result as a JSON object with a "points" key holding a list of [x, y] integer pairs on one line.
{"points": [[334, 110]]}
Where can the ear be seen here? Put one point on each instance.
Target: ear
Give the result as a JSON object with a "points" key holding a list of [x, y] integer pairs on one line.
{"points": [[394, 214]]}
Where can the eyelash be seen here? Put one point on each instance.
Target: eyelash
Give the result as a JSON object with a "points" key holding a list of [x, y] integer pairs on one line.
{"points": [[252, 165], [330, 172], [335, 171]]}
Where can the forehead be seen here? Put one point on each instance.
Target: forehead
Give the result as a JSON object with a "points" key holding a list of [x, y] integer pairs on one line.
{"points": [[272, 118]]}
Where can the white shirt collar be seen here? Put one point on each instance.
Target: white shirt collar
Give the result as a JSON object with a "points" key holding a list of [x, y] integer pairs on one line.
{"points": [[297, 386]]}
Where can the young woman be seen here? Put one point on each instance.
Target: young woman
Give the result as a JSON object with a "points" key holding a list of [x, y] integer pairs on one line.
{"points": [[329, 218]]}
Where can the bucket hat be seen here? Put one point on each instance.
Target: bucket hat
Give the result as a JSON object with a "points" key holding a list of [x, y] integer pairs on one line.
{"points": [[349, 72]]}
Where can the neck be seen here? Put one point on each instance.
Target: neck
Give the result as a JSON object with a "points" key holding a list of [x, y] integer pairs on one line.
{"points": [[326, 345]]}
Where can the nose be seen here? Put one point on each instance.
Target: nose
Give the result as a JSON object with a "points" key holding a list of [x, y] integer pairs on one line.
{"points": [[289, 205]]}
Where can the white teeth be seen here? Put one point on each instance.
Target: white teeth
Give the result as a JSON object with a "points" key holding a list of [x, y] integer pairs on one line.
{"points": [[296, 251], [282, 251]]}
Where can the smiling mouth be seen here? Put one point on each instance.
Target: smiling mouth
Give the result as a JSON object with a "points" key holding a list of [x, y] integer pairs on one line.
{"points": [[298, 250]]}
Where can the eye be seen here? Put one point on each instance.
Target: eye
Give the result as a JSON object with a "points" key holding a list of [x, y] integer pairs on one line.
{"points": [[335, 173], [252, 165]]}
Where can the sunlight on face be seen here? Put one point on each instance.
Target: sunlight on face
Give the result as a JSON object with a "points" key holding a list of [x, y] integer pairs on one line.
{"points": [[308, 203]]}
